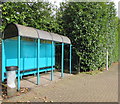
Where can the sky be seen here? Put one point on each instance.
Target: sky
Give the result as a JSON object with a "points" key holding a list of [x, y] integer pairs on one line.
{"points": [[116, 3], [58, 1]]}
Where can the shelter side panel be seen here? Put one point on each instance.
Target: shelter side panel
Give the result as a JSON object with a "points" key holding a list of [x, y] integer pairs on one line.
{"points": [[28, 58]]}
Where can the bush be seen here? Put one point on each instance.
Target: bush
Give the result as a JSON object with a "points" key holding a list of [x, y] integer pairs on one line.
{"points": [[38, 15], [92, 28]]}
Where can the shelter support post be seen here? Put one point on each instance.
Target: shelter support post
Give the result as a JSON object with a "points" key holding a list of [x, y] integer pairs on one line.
{"points": [[19, 50], [3, 61], [0, 70], [52, 60], [38, 60], [62, 62], [70, 57], [54, 53]]}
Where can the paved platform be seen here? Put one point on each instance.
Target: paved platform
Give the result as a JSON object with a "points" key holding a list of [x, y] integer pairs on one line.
{"points": [[45, 79], [102, 87]]}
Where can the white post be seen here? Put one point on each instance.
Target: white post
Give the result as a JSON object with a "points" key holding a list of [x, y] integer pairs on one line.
{"points": [[107, 60]]}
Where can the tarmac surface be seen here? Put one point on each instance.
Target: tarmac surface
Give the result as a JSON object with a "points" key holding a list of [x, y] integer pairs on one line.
{"points": [[101, 87]]}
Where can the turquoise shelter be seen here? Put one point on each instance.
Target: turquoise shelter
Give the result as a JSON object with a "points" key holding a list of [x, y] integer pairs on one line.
{"points": [[32, 50]]}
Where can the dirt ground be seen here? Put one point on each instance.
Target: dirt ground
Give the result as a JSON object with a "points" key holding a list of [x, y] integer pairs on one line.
{"points": [[102, 87]]}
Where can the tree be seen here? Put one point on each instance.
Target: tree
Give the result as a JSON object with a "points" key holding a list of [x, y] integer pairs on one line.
{"points": [[37, 14], [91, 26]]}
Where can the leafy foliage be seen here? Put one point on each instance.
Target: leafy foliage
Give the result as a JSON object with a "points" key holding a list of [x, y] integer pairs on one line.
{"points": [[92, 27], [38, 15]]}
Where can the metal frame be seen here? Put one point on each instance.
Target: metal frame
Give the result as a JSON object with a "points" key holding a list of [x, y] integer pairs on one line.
{"points": [[38, 60], [63, 42], [3, 64], [19, 52], [62, 61], [70, 58], [52, 61], [24, 31]]}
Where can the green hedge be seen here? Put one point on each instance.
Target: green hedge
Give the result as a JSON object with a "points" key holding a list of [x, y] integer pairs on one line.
{"points": [[38, 15], [92, 28]]}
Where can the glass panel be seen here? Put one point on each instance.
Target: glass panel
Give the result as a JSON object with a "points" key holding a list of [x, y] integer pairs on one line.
{"points": [[46, 41], [28, 39]]}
